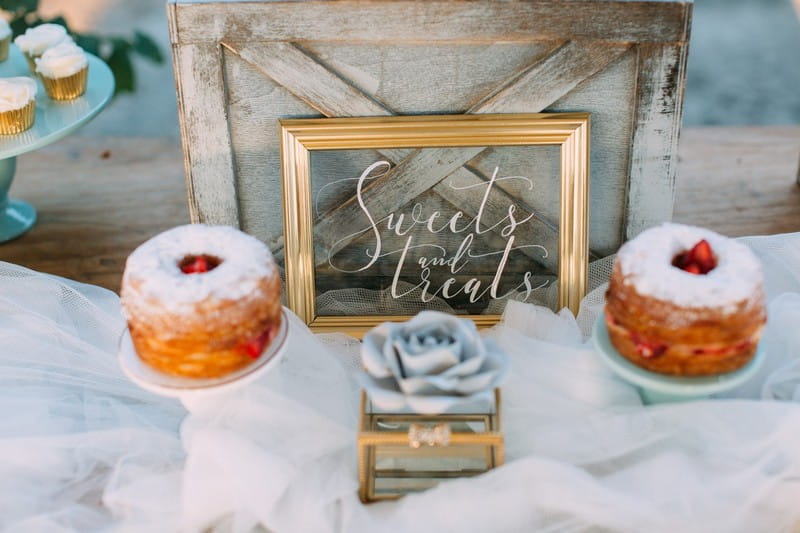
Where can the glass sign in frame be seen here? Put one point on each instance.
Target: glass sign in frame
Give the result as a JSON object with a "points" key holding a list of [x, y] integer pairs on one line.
{"points": [[386, 216]]}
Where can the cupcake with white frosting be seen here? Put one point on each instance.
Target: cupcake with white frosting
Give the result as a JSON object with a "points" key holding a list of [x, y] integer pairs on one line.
{"points": [[5, 39], [17, 104], [35, 41], [63, 69]]}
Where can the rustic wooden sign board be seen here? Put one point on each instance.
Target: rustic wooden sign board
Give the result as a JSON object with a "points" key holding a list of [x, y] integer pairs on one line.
{"points": [[242, 66]]}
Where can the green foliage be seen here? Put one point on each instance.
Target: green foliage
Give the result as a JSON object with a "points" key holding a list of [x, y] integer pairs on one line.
{"points": [[16, 7], [147, 47], [116, 51], [120, 62]]}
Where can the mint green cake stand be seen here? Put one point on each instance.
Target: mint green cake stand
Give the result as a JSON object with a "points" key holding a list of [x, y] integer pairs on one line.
{"points": [[54, 120], [658, 388]]}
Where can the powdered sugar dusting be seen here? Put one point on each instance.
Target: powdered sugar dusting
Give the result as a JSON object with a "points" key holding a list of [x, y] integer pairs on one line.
{"points": [[153, 268], [646, 262]]}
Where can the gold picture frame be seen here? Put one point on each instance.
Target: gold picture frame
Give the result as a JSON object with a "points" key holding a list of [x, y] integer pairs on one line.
{"points": [[569, 131]]}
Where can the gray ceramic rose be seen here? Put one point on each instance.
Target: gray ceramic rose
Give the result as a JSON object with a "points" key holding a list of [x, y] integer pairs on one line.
{"points": [[430, 364]]}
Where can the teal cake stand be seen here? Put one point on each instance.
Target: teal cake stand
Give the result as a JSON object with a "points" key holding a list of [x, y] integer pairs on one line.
{"points": [[53, 121], [657, 388]]}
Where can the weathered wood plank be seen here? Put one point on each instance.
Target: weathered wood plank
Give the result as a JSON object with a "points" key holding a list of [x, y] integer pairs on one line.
{"points": [[739, 180], [309, 80], [327, 92], [429, 78], [432, 21], [551, 78], [564, 68], [656, 125], [112, 194], [385, 25], [606, 92], [314, 84], [205, 134], [609, 95]]}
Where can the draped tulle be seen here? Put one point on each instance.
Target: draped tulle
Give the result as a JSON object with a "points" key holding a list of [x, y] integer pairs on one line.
{"points": [[83, 449]]}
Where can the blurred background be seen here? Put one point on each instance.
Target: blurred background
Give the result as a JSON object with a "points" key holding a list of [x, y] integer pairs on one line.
{"points": [[744, 64]]}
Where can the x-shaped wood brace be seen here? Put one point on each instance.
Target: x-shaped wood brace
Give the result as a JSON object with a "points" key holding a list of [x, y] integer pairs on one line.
{"points": [[546, 80]]}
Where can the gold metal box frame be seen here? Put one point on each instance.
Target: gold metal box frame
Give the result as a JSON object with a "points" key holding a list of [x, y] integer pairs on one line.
{"points": [[570, 131], [428, 437]]}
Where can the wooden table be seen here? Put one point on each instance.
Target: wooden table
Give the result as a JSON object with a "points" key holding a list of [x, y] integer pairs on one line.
{"points": [[99, 198]]}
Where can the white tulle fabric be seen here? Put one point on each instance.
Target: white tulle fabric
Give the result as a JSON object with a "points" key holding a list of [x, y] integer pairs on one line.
{"points": [[83, 449]]}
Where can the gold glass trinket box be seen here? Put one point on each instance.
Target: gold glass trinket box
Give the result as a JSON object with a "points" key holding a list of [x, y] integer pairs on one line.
{"points": [[399, 453]]}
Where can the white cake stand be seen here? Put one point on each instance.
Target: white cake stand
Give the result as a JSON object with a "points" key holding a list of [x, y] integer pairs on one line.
{"points": [[53, 121], [659, 388], [182, 387]]}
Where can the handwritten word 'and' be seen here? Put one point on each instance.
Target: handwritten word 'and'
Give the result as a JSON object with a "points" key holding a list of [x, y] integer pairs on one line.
{"points": [[435, 256]]}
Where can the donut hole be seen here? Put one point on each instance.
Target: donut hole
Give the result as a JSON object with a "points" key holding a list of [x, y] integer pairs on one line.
{"points": [[700, 259], [198, 264]]}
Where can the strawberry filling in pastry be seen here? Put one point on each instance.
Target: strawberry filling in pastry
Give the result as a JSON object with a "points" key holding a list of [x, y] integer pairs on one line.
{"points": [[725, 350], [255, 346], [647, 348], [650, 348], [699, 260], [198, 264]]}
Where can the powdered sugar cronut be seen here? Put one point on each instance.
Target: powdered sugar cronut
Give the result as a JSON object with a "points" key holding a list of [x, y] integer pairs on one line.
{"points": [[153, 278], [646, 262]]}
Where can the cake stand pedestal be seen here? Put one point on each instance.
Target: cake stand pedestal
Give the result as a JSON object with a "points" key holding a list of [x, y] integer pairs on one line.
{"points": [[53, 121], [657, 388]]}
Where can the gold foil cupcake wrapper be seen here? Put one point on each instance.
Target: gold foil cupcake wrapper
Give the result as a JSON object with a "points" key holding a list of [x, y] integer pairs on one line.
{"points": [[17, 120], [4, 45], [68, 87], [31, 62]]}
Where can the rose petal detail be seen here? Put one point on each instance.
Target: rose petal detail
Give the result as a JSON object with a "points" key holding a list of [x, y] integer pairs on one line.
{"points": [[372, 352], [383, 396], [475, 383], [436, 359], [434, 405], [473, 344], [421, 385], [470, 366], [430, 364], [390, 356]]}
